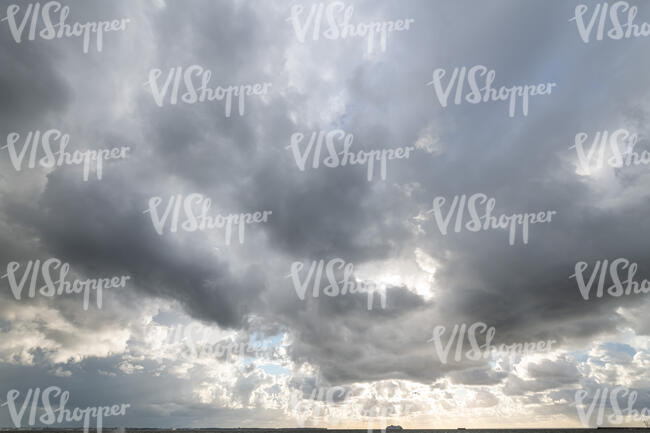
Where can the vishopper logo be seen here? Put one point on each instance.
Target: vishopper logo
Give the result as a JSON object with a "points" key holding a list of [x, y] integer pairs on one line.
{"points": [[327, 406], [338, 139], [477, 350], [35, 268], [620, 284], [620, 26], [347, 284], [52, 17], [588, 415], [195, 207], [485, 221], [195, 342], [53, 138], [480, 79], [195, 80], [336, 16], [619, 146], [60, 414]]}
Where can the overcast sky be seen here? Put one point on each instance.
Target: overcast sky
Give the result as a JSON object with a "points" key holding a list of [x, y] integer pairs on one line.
{"points": [[124, 352]]}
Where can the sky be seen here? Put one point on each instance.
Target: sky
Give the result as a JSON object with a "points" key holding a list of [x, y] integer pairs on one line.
{"points": [[159, 341]]}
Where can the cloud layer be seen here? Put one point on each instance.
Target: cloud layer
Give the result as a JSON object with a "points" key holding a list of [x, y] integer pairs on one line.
{"points": [[382, 357]]}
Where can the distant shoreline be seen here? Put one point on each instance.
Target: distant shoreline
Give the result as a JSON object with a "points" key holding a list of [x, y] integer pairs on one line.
{"points": [[296, 430]]}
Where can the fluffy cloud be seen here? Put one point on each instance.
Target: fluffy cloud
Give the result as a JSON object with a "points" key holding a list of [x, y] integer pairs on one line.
{"points": [[125, 351]]}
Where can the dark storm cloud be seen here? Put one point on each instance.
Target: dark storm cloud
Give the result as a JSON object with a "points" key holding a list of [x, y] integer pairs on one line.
{"points": [[242, 163]]}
